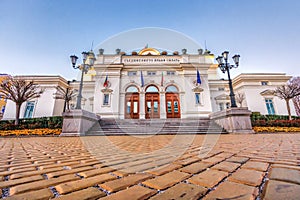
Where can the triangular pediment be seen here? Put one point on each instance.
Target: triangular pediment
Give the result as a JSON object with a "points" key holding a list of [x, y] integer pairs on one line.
{"points": [[267, 92], [222, 97]]}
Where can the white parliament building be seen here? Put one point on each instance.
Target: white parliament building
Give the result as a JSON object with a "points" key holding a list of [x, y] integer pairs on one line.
{"points": [[156, 84]]}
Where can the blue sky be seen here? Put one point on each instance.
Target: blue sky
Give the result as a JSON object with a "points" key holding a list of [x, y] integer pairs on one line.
{"points": [[38, 36]]}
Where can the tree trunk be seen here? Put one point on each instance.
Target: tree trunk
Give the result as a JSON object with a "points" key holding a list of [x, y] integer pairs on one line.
{"points": [[18, 108], [288, 108]]}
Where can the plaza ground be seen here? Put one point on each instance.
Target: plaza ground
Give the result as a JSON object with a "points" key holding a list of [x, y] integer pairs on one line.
{"points": [[254, 166]]}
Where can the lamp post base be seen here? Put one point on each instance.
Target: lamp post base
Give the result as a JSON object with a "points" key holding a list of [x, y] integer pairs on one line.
{"points": [[77, 122], [234, 120]]}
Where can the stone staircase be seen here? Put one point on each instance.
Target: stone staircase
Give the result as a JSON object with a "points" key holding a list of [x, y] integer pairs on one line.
{"points": [[155, 126]]}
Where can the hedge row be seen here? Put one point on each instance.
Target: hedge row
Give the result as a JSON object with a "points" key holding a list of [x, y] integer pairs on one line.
{"points": [[274, 120], [32, 123], [257, 116]]}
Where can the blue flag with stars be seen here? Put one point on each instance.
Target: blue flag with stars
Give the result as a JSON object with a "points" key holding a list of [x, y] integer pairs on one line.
{"points": [[142, 79], [198, 77]]}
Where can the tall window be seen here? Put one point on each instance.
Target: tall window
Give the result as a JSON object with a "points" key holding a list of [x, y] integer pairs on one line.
{"points": [[270, 106], [227, 105], [29, 109], [197, 98], [106, 99], [221, 106]]}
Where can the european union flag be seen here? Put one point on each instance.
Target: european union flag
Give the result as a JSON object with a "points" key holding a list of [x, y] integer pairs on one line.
{"points": [[198, 77], [142, 79]]}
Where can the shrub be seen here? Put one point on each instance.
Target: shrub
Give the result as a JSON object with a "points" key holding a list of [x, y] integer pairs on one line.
{"points": [[33, 123]]}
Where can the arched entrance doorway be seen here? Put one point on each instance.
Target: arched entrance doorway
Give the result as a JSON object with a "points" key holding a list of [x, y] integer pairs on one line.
{"points": [[172, 102], [132, 100], [152, 102]]}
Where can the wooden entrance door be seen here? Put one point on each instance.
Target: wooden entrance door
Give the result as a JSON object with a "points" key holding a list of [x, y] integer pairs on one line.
{"points": [[172, 105], [152, 105], [132, 106]]}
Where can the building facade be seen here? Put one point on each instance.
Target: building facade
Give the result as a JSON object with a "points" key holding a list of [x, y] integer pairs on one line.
{"points": [[152, 84], [2, 99]]}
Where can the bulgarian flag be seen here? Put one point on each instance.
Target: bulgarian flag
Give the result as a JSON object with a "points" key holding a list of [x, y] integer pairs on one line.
{"points": [[105, 84]]}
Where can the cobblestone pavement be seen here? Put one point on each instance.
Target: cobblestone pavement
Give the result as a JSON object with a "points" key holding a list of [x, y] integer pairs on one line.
{"points": [[264, 166]]}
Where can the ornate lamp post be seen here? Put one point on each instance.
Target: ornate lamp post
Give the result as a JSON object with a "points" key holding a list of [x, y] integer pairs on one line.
{"points": [[88, 59], [225, 67]]}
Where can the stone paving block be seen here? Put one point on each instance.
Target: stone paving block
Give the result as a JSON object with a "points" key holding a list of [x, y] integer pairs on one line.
{"points": [[238, 159], [196, 167], [281, 190], [19, 181], [166, 180], [84, 164], [41, 184], [95, 172], [259, 166], [226, 166], [286, 166], [90, 193], [22, 166], [6, 173], [43, 194], [164, 169], [73, 186], [133, 193], [284, 174], [231, 190], [65, 172], [139, 168], [208, 178], [36, 172], [120, 173], [187, 161], [122, 183], [214, 160], [247, 177], [56, 165], [182, 191]]}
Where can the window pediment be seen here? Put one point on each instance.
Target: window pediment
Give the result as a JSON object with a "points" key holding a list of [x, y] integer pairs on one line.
{"points": [[267, 93], [222, 97], [198, 89]]}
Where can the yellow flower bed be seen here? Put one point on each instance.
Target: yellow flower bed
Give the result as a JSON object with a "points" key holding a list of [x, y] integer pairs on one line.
{"points": [[36, 132], [258, 129]]}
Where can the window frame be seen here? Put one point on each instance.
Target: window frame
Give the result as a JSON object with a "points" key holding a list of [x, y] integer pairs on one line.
{"points": [[108, 99], [171, 73], [270, 106], [151, 73], [132, 73], [27, 113]]}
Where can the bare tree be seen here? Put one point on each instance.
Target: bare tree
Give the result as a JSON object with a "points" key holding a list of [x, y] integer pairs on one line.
{"points": [[19, 90], [240, 97], [65, 94], [288, 92], [296, 99]]}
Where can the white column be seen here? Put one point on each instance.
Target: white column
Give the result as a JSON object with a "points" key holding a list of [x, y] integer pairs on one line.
{"points": [[142, 105], [162, 100], [121, 106]]}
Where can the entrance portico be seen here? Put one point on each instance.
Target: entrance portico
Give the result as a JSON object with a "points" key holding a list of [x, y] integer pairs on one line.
{"points": [[152, 85]]}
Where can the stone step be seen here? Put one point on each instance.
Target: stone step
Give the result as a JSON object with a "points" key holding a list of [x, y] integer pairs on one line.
{"points": [[155, 126]]}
